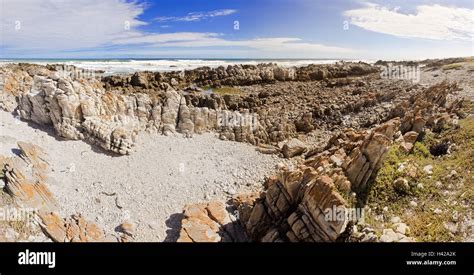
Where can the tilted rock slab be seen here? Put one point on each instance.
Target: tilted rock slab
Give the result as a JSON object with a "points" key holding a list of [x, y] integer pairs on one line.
{"points": [[209, 222], [296, 202], [25, 181], [294, 206]]}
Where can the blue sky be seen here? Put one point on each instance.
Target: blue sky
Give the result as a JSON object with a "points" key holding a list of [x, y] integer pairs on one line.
{"points": [[206, 29]]}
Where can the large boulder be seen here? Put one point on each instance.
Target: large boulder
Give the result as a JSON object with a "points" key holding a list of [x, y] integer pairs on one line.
{"points": [[293, 147]]}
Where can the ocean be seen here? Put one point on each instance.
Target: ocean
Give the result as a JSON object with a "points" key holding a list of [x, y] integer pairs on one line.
{"points": [[119, 66]]}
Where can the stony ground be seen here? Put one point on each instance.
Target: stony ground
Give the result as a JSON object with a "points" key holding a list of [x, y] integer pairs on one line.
{"points": [[461, 72], [149, 187]]}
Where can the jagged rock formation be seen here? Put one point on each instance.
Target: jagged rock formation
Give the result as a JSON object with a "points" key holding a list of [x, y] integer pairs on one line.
{"points": [[71, 229], [13, 82], [113, 110], [294, 147], [25, 178], [296, 202], [110, 112], [209, 223], [78, 111], [237, 75]]}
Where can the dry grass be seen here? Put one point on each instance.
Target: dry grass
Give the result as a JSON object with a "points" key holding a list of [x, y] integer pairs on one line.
{"points": [[454, 196], [468, 63], [225, 90]]}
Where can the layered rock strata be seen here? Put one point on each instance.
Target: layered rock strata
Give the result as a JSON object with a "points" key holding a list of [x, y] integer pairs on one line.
{"points": [[311, 202], [111, 111], [25, 177]]}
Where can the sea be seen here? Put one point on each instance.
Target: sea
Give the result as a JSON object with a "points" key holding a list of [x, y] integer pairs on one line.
{"points": [[122, 66]]}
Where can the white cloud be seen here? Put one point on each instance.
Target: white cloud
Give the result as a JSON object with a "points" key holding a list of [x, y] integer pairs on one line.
{"points": [[430, 21], [196, 16], [192, 39], [137, 38], [68, 26], [63, 25]]}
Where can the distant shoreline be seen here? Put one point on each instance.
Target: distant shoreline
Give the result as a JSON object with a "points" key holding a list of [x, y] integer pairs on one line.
{"points": [[120, 66]]}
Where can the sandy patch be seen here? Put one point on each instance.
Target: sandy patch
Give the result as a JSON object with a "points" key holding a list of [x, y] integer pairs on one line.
{"points": [[149, 187]]}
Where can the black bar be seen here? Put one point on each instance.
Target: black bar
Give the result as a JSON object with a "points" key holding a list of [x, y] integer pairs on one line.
{"points": [[243, 258]]}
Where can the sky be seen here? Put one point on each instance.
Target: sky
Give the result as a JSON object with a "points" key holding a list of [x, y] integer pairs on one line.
{"points": [[349, 29]]}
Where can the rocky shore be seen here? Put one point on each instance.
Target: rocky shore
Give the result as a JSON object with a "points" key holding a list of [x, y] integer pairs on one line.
{"points": [[299, 140], [110, 111]]}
